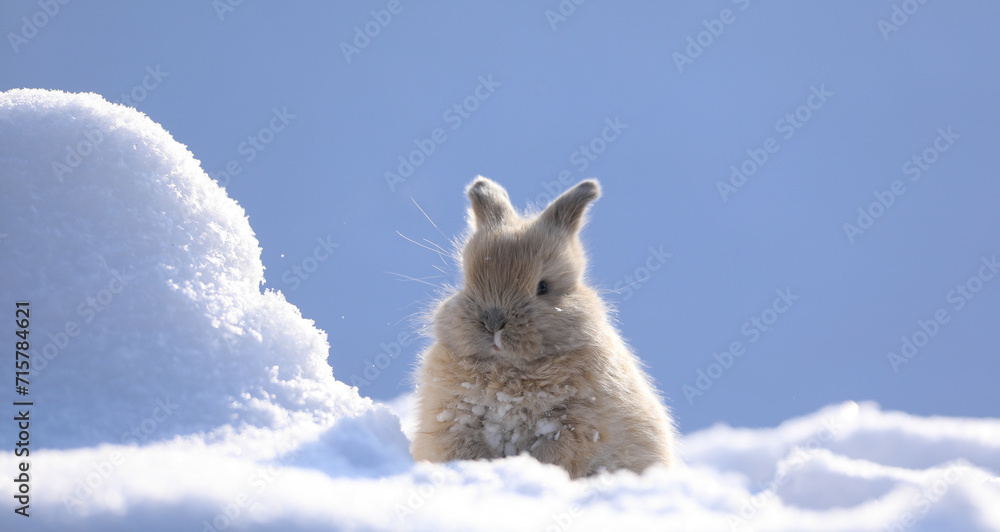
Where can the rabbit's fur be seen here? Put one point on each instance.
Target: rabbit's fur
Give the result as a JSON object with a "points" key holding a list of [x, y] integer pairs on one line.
{"points": [[513, 371]]}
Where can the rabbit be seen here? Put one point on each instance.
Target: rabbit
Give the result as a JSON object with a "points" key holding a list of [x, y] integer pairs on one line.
{"points": [[525, 358]]}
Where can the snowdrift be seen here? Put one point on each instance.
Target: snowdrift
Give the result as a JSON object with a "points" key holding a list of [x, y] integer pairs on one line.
{"points": [[171, 393]]}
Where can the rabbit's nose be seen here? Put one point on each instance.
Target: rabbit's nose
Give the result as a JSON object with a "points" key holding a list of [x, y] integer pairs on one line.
{"points": [[493, 319]]}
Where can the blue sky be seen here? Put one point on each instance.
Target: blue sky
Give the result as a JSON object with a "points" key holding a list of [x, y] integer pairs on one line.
{"points": [[824, 105]]}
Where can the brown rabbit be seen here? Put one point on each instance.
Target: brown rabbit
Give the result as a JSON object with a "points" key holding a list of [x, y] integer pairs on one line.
{"points": [[525, 359]]}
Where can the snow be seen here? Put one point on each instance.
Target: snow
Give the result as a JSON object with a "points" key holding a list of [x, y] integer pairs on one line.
{"points": [[172, 393]]}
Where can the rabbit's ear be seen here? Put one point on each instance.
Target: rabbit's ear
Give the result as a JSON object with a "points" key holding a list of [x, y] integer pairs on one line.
{"points": [[566, 212], [490, 203]]}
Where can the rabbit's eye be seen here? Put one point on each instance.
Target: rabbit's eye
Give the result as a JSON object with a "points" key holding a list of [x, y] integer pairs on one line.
{"points": [[543, 288]]}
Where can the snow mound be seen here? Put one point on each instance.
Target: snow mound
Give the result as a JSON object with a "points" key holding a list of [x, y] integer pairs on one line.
{"points": [[172, 394], [144, 278], [804, 475]]}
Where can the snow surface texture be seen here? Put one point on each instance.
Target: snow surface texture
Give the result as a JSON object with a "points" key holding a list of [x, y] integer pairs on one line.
{"points": [[172, 394]]}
